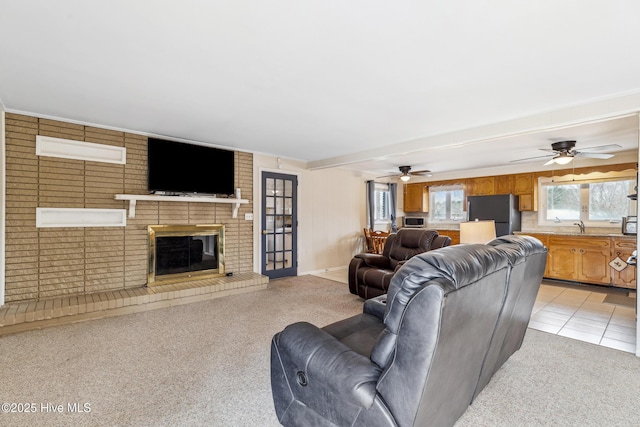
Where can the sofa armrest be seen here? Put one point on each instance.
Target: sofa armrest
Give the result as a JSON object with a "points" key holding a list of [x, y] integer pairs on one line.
{"points": [[376, 306], [321, 358], [440, 242], [399, 264], [375, 260]]}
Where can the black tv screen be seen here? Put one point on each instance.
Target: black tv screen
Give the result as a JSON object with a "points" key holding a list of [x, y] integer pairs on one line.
{"points": [[176, 167]]}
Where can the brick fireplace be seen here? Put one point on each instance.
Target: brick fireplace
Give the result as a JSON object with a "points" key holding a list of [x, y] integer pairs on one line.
{"points": [[58, 262], [178, 252]]}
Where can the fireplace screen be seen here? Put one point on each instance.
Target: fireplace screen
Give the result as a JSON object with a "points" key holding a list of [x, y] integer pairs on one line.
{"points": [[182, 251]]}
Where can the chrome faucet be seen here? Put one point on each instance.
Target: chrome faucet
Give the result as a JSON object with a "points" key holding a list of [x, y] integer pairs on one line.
{"points": [[580, 225]]}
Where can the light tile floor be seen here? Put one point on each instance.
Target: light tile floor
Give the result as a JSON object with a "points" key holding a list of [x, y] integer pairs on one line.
{"points": [[572, 311], [581, 313]]}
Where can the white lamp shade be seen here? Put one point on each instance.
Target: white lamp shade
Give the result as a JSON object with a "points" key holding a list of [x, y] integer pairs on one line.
{"points": [[563, 160], [477, 231]]}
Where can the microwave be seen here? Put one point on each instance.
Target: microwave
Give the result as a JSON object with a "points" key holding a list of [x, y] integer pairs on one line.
{"points": [[414, 221], [630, 225]]}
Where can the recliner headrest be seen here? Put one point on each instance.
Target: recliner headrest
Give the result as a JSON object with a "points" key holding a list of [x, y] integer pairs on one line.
{"points": [[415, 238], [409, 242], [518, 247]]}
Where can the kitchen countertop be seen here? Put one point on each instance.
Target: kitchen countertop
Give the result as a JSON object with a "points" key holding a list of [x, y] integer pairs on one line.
{"points": [[568, 233]]}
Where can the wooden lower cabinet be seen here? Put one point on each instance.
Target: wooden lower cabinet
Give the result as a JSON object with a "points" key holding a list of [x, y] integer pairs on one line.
{"points": [[581, 260], [586, 259], [623, 247], [454, 234], [544, 238]]}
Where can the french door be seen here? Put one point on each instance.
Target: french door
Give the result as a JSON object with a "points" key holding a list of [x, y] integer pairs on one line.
{"points": [[279, 225]]}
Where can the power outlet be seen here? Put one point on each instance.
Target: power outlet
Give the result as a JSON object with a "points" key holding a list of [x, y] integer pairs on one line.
{"points": [[248, 217]]}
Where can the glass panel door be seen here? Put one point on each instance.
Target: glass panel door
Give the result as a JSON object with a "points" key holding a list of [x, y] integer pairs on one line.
{"points": [[279, 224]]}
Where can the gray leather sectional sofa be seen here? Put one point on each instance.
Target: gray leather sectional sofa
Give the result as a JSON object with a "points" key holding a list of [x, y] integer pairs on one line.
{"points": [[419, 355]]}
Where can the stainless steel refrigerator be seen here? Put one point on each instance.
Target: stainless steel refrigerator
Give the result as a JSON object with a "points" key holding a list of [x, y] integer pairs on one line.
{"points": [[502, 208]]}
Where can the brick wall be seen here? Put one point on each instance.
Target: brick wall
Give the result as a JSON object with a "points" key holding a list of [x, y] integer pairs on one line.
{"points": [[49, 262]]}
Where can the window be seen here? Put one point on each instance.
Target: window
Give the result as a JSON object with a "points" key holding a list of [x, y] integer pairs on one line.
{"points": [[446, 204], [382, 212], [597, 201]]}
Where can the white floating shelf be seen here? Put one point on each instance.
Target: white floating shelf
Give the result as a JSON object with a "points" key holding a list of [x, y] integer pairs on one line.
{"points": [[80, 217], [133, 198], [80, 150]]}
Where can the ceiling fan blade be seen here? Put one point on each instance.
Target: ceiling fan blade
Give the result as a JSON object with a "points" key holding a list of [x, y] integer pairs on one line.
{"points": [[531, 158], [600, 148], [389, 176], [594, 155], [422, 172]]}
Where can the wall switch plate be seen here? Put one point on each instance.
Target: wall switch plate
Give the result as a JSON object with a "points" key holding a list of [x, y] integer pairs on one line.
{"points": [[248, 217]]}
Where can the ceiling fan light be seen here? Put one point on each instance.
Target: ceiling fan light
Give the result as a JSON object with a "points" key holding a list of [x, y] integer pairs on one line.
{"points": [[563, 160], [405, 178]]}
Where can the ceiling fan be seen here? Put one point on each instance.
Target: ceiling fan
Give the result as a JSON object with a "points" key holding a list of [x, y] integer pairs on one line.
{"points": [[406, 174], [563, 152]]}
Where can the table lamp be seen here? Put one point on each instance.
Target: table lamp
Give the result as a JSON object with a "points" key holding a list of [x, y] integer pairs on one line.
{"points": [[477, 231]]}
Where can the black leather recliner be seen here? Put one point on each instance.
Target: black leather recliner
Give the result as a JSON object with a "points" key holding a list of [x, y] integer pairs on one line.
{"points": [[420, 354], [370, 274]]}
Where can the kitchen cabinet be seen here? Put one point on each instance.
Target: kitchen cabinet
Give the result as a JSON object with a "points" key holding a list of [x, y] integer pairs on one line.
{"points": [[525, 186], [482, 186], [503, 184], [528, 202], [580, 259], [623, 247], [522, 183], [544, 238], [416, 197], [454, 234], [585, 258]]}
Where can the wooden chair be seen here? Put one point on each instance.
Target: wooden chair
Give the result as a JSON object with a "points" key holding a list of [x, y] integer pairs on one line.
{"points": [[375, 240], [368, 241]]}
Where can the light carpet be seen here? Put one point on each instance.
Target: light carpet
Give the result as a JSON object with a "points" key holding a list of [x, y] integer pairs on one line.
{"points": [[207, 363]]}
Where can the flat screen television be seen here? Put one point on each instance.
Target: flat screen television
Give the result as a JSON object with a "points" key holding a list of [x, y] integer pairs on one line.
{"points": [[176, 167]]}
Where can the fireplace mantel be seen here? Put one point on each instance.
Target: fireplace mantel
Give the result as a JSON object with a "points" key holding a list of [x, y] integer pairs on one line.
{"points": [[133, 198]]}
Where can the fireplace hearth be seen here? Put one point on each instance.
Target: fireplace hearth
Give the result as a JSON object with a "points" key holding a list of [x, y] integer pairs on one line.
{"points": [[181, 252]]}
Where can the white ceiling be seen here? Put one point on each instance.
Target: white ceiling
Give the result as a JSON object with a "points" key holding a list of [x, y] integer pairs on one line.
{"points": [[326, 82]]}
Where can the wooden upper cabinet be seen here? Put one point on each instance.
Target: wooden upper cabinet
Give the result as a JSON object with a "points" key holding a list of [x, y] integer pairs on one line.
{"points": [[482, 186], [523, 183], [503, 184], [528, 202], [416, 197], [469, 187]]}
